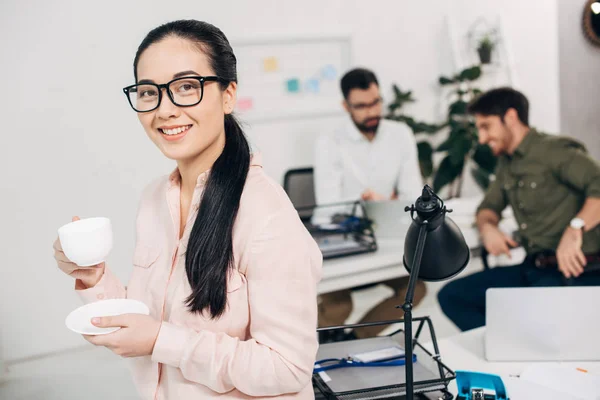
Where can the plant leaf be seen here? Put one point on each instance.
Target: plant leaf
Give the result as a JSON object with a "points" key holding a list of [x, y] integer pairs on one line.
{"points": [[484, 158], [446, 173], [459, 107], [481, 177], [425, 158], [460, 149], [402, 97], [446, 81], [397, 91], [394, 106], [470, 74], [419, 127], [447, 144]]}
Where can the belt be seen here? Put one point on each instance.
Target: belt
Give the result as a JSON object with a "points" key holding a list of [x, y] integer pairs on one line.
{"points": [[548, 260]]}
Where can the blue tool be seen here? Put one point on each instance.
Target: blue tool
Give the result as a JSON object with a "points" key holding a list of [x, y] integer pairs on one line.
{"points": [[333, 363], [471, 385]]}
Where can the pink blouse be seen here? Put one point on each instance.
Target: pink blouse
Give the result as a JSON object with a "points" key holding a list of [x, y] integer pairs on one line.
{"points": [[265, 343]]}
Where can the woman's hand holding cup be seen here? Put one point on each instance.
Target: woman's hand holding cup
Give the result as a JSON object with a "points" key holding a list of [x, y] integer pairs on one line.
{"points": [[82, 247]]}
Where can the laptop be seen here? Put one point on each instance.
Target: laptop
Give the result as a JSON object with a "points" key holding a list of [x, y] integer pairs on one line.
{"points": [[543, 324], [389, 218]]}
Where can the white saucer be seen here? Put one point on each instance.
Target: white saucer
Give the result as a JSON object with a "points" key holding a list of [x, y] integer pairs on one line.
{"points": [[80, 320]]}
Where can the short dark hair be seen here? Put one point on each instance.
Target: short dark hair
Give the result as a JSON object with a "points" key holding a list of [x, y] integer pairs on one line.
{"points": [[358, 78], [499, 101]]}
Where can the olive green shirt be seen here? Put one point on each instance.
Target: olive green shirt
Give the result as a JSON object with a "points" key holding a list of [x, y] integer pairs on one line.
{"points": [[545, 181]]}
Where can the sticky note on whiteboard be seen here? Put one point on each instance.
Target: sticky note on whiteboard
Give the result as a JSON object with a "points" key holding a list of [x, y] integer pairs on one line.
{"points": [[245, 104], [293, 85], [312, 86], [270, 64], [328, 72]]}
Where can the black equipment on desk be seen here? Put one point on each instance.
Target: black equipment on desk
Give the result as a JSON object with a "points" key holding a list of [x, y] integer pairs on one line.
{"points": [[340, 229], [432, 375]]}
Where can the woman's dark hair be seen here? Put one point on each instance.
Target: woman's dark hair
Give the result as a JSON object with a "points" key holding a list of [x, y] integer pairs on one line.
{"points": [[358, 78], [498, 101], [209, 255]]}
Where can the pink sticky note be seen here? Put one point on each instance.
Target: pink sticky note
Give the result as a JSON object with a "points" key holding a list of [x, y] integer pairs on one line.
{"points": [[245, 103]]}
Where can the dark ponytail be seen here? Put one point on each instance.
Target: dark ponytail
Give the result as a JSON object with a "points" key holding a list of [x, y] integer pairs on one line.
{"points": [[210, 248], [209, 255]]}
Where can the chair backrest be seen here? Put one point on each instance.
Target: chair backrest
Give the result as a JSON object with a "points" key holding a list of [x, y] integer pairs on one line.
{"points": [[299, 186]]}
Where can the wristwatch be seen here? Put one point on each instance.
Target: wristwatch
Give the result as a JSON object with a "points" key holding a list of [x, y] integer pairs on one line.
{"points": [[577, 223]]}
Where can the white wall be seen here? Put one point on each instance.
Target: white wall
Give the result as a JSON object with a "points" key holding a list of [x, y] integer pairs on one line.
{"points": [[71, 145], [531, 34], [579, 78]]}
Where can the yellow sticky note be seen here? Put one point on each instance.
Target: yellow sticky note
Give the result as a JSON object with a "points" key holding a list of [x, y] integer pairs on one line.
{"points": [[270, 64]]}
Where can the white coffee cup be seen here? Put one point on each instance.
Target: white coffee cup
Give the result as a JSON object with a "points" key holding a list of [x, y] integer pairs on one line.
{"points": [[88, 241]]}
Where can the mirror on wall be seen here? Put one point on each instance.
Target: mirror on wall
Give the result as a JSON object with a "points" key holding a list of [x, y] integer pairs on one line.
{"points": [[591, 21]]}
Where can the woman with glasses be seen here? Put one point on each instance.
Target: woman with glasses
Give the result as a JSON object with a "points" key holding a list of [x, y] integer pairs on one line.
{"points": [[221, 258]]}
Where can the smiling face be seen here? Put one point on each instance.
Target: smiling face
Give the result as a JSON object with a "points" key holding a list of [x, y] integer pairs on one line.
{"points": [[494, 132], [184, 133]]}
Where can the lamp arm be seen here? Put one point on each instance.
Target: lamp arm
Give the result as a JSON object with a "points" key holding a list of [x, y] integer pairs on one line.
{"points": [[414, 270], [407, 307]]}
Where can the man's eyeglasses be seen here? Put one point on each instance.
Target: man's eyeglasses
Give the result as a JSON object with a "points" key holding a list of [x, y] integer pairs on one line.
{"points": [[365, 106], [183, 92]]}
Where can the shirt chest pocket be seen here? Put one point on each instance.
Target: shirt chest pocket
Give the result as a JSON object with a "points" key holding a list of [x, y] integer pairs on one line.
{"points": [[145, 255], [531, 193]]}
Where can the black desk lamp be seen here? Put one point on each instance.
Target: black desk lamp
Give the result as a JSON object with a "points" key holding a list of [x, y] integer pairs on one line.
{"points": [[434, 250]]}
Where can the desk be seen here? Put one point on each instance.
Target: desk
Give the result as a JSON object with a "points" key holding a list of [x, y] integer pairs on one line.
{"points": [[383, 264], [466, 352]]}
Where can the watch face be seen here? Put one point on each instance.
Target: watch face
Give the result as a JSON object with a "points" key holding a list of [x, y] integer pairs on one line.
{"points": [[577, 223]]}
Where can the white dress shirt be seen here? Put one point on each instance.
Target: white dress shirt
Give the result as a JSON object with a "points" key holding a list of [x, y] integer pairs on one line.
{"points": [[347, 163]]}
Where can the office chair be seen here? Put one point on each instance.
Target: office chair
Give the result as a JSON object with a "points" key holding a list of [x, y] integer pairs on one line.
{"points": [[299, 186]]}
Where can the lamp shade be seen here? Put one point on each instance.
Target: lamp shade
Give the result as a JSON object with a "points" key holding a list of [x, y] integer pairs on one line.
{"points": [[445, 253]]}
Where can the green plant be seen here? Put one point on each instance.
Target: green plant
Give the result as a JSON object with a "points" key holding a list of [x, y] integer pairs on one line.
{"points": [[485, 46], [486, 42], [461, 143], [395, 113]]}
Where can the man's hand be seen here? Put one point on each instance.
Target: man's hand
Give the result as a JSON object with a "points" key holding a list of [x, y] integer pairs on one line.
{"points": [[369, 195], [495, 241], [569, 255]]}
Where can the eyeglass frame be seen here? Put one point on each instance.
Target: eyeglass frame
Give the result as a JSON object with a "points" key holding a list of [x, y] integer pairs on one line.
{"points": [[201, 79], [363, 106]]}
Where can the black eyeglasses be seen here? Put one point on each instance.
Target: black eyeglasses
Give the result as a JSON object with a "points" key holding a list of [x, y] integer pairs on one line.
{"points": [[183, 92], [365, 106]]}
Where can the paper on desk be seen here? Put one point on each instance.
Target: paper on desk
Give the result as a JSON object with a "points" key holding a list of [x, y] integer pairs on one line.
{"points": [[580, 384], [553, 381], [519, 389], [323, 374], [517, 256]]}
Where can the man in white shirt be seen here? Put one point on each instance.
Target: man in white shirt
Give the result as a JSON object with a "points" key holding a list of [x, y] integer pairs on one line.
{"points": [[372, 159]]}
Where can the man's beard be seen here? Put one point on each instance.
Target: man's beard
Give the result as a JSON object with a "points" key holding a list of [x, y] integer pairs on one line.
{"points": [[368, 129]]}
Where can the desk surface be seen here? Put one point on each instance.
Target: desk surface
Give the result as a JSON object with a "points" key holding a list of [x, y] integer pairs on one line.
{"points": [[466, 352], [383, 264], [386, 262]]}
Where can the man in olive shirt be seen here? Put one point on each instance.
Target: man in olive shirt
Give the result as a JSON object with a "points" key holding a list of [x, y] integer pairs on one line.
{"points": [[552, 185]]}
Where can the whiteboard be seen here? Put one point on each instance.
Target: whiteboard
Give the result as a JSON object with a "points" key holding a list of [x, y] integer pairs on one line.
{"points": [[290, 78]]}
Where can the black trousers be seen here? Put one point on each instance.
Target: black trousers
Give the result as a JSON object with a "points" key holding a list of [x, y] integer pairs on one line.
{"points": [[463, 300]]}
